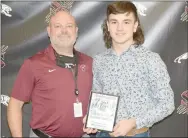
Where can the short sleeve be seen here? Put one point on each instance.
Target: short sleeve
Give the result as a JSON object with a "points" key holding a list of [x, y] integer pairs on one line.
{"points": [[24, 83]]}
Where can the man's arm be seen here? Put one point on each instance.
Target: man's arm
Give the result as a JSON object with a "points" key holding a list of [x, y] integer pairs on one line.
{"points": [[21, 93], [161, 91], [14, 116]]}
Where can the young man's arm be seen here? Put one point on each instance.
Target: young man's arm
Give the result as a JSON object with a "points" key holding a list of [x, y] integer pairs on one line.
{"points": [[14, 116], [161, 91]]}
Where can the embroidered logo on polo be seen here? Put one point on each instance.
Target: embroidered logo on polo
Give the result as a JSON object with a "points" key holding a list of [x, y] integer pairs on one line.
{"points": [[83, 67], [69, 65], [51, 70], [182, 57], [5, 9], [183, 108]]}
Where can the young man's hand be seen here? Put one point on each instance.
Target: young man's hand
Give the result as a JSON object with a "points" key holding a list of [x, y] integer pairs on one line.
{"points": [[123, 127]]}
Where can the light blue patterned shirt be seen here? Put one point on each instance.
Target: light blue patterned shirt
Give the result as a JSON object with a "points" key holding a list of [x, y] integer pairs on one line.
{"points": [[140, 78]]}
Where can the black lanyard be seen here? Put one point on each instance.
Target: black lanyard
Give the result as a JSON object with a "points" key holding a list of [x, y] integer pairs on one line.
{"points": [[75, 74], [73, 69], [76, 92]]}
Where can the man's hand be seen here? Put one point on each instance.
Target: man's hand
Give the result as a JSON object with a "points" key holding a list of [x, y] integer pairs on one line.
{"points": [[123, 127], [88, 130]]}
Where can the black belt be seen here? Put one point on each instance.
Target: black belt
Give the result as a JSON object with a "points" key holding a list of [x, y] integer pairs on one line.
{"points": [[40, 134]]}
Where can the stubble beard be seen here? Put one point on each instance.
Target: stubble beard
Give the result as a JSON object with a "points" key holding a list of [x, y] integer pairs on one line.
{"points": [[61, 41]]}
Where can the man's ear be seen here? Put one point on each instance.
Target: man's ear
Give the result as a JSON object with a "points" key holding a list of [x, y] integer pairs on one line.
{"points": [[76, 29], [48, 30], [76, 32]]}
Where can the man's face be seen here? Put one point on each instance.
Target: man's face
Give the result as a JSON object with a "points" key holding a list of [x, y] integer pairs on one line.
{"points": [[62, 30], [121, 27]]}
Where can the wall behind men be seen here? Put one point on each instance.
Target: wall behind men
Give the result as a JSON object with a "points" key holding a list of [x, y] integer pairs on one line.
{"points": [[23, 31]]}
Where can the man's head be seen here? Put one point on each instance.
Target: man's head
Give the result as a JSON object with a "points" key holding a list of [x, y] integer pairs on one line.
{"points": [[122, 24], [62, 30]]}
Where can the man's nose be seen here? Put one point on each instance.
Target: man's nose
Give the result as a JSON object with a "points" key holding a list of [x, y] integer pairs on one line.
{"points": [[63, 29], [119, 27]]}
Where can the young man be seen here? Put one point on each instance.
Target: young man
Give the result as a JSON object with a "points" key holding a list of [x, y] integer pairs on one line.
{"points": [[57, 81], [132, 72]]}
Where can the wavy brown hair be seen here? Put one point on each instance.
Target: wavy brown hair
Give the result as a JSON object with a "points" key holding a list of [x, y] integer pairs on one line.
{"points": [[118, 8]]}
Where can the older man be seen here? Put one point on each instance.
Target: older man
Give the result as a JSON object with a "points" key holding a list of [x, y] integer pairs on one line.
{"points": [[57, 81]]}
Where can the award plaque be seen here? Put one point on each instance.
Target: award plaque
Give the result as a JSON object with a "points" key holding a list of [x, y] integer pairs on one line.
{"points": [[102, 111]]}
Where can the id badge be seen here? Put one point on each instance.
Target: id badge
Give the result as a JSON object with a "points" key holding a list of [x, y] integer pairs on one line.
{"points": [[78, 109]]}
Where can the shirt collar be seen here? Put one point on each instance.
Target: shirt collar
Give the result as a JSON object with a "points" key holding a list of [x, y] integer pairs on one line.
{"points": [[50, 52], [111, 51]]}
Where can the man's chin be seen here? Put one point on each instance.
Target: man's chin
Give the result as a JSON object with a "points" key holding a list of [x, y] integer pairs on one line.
{"points": [[64, 45], [120, 42]]}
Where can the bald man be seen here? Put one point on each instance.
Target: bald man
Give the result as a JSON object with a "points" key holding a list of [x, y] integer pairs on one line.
{"points": [[57, 81]]}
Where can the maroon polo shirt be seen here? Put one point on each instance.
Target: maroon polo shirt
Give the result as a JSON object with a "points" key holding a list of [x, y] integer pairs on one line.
{"points": [[50, 88]]}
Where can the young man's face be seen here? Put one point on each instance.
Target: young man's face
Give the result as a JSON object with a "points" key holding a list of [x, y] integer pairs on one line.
{"points": [[121, 28], [62, 30]]}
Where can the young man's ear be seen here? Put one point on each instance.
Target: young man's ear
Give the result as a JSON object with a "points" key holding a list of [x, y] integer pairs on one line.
{"points": [[107, 24], [135, 26]]}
